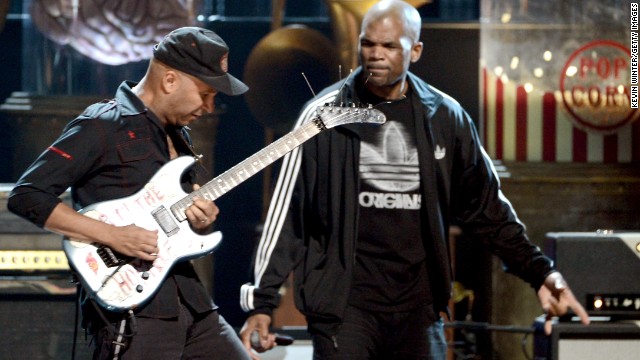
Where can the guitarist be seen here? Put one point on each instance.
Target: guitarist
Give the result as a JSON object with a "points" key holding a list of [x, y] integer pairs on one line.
{"points": [[109, 152]]}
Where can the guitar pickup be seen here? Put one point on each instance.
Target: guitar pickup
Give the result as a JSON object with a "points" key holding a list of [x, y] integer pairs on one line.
{"points": [[164, 218]]}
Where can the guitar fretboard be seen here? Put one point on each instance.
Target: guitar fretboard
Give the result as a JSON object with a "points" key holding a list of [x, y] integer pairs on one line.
{"points": [[231, 178]]}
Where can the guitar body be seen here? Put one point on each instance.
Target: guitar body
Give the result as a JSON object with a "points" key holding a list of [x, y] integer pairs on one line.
{"points": [[119, 286]]}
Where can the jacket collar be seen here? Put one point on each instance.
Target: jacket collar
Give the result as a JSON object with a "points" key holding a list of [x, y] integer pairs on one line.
{"points": [[129, 102], [430, 97], [131, 105]]}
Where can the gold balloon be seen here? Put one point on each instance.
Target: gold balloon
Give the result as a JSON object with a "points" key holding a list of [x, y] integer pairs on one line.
{"points": [[274, 73]]}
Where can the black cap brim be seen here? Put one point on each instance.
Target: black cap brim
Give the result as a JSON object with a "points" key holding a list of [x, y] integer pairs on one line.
{"points": [[226, 84]]}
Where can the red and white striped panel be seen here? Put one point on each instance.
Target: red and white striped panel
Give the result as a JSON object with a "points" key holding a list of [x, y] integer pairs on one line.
{"points": [[521, 126]]}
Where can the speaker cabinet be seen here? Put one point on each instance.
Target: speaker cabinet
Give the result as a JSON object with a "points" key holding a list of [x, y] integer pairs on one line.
{"points": [[602, 268], [611, 340], [38, 320]]}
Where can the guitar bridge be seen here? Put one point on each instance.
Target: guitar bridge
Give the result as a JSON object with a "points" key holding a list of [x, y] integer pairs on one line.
{"points": [[112, 258]]}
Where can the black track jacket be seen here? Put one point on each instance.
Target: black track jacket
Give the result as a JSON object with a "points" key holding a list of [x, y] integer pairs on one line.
{"points": [[311, 226]]}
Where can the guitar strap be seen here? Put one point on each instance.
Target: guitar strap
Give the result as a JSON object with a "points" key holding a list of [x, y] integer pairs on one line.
{"points": [[181, 136], [117, 331], [118, 342]]}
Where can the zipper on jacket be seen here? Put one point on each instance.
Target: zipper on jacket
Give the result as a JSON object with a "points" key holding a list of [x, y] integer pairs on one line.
{"points": [[334, 339]]}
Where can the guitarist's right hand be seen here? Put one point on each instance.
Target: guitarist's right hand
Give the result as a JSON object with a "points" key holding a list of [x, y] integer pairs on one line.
{"points": [[132, 240]]}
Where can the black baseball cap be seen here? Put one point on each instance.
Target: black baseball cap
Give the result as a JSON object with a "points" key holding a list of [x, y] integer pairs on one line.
{"points": [[201, 53]]}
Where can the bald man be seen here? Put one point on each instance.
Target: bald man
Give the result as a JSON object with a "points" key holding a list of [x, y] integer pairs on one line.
{"points": [[361, 214]]}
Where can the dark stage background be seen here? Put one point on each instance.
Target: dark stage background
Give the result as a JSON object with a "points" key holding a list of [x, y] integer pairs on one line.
{"points": [[547, 196]]}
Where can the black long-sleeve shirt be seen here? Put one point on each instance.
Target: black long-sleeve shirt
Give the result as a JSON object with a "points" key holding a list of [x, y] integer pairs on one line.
{"points": [[108, 152]]}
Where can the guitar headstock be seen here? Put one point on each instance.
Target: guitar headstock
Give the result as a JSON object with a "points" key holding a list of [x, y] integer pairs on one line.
{"points": [[332, 116]]}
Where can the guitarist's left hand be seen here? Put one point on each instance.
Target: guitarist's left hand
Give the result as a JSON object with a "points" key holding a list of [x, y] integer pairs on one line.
{"points": [[202, 213]]}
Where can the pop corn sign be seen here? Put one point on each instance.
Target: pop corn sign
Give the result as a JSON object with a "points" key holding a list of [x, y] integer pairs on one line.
{"points": [[595, 87]]}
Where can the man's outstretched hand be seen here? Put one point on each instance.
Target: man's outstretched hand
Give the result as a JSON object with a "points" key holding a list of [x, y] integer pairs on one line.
{"points": [[556, 299]]}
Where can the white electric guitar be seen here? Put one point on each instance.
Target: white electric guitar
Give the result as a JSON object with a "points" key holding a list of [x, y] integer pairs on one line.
{"points": [[120, 283]]}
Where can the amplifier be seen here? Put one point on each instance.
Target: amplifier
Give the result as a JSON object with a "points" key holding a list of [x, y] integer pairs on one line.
{"points": [[602, 269], [38, 319], [33, 260], [610, 340], [26, 249]]}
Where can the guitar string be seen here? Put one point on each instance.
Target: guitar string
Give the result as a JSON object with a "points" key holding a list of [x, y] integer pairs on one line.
{"points": [[183, 203]]}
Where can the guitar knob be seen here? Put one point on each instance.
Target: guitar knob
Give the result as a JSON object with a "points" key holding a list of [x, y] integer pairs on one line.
{"points": [[145, 275], [139, 288]]}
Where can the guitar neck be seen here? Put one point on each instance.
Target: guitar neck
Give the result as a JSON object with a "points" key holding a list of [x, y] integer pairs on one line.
{"points": [[233, 177]]}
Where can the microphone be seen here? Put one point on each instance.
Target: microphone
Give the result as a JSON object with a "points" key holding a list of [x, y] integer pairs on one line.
{"points": [[281, 339]]}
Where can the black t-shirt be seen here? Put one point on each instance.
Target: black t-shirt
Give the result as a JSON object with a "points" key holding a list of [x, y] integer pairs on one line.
{"points": [[390, 272]]}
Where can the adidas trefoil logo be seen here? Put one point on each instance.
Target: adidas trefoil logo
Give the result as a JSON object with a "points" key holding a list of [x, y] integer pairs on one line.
{"points": [[439, 153], [391, 164]]}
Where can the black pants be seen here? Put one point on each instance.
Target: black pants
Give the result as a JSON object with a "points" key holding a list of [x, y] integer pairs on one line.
{"points": [[204, 336], [371, 335]]}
